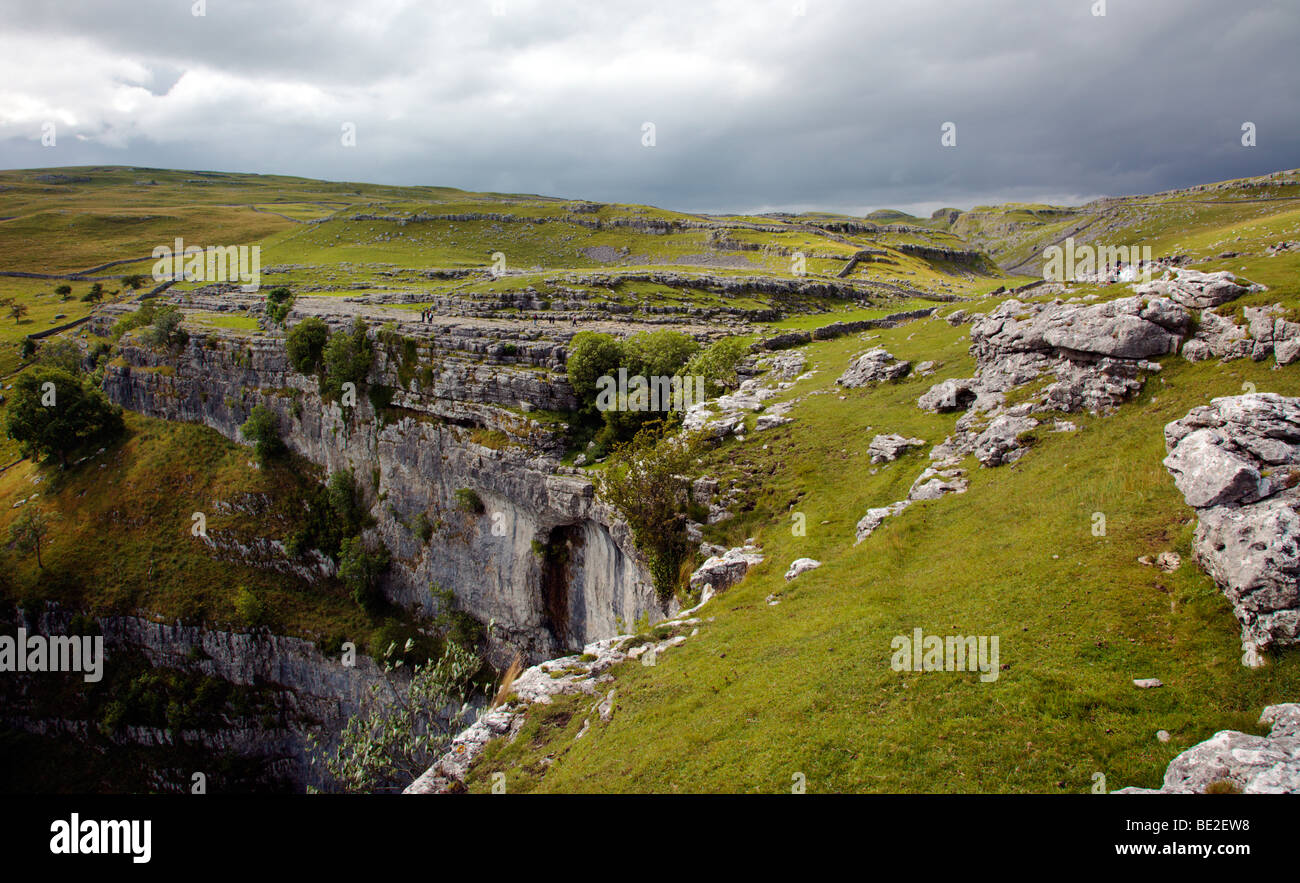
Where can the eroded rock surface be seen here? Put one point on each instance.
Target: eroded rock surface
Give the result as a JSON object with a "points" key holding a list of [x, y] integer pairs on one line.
{"points": [[1239, 762], [720, 572], [1237, 461], [872, 367], [541, 685], [886, 448], [1197, 290]]}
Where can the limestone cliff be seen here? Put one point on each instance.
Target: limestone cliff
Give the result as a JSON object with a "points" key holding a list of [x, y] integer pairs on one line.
{"points": [[533, 552]]}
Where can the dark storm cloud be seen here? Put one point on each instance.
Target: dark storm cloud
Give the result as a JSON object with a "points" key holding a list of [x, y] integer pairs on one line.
{"points": [[755, 107]]}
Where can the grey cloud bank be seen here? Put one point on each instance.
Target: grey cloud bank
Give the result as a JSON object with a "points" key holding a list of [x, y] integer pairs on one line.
{"points": [[756, 105]]}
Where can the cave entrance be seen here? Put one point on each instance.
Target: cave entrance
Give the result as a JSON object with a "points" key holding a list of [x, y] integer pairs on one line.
{"points": [[558, 558]]}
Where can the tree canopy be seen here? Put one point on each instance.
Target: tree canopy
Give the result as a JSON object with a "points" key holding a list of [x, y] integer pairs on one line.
{"points": [[54, 413]]}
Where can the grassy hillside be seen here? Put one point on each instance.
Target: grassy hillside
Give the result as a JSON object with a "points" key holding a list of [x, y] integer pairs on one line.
{"points": [[766, 690], [805, 686], [1197, 222], [120, 539]]}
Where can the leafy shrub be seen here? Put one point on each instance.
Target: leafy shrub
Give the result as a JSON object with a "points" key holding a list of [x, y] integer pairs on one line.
{"points": [[347, 358], [166, 328], [279, 301], [422, 527], [359, 569], [305, 344], [390, 744], [645, 480], [263, 430], [469, 501], [717, 364], [248, 607], [55, 420]]}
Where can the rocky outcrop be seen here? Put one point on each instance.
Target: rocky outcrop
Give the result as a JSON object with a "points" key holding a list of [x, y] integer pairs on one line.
{"points": [[1233, 762], [1267, 332], [873, 367], [1095, 356], [305, 690], [1237, 462], [586, 674], [422, 453], [875, 517], [949, 395], [1196, 290], [800, 566], [886, 448], [720, 572], [725, 415]]}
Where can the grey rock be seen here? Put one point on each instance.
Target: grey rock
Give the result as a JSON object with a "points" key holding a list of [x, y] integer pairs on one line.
{"points": [[1234, 461], [888, 448], [875, 366], [1197, 290], [1208, 474], [1243, 763], [934, 483], [876, 517], [721, 572], [950, 395], [801, 566]]}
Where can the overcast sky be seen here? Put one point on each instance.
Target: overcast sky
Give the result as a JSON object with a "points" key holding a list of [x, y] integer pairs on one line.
{"points": [[756, 104]]}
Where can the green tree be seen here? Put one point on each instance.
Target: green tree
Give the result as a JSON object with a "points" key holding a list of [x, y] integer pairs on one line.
{"points": [[64, 291], [28, 532], [131, 321], [345, 502], [17, 311], [646, 481], [392, 743], [263, 430], [305, 344], [359, 569], [347, 359], [249, 608], [658, 353], [63, 354], [134, 282], [53, 413], [95, 294], [591, 356], [167, 330], [279, 301], [717, 364]]}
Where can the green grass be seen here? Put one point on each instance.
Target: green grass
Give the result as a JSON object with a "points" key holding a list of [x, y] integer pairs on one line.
{"points": [[806, 687], [763, 692], [121, 541], [230, 321]]}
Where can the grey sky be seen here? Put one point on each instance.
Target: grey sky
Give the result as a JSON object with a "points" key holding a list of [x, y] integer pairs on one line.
{"points": [[755, 107]]}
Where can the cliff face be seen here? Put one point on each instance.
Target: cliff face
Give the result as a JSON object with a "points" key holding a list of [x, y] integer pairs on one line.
{"points": [[298, 690], [530, 549]]}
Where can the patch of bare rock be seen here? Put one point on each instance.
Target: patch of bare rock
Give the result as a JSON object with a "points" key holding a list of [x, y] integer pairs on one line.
{"points": [[876, 366], [540, 685], [1239, 762], [1237, 462], [587, 674], [886, 448]]}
